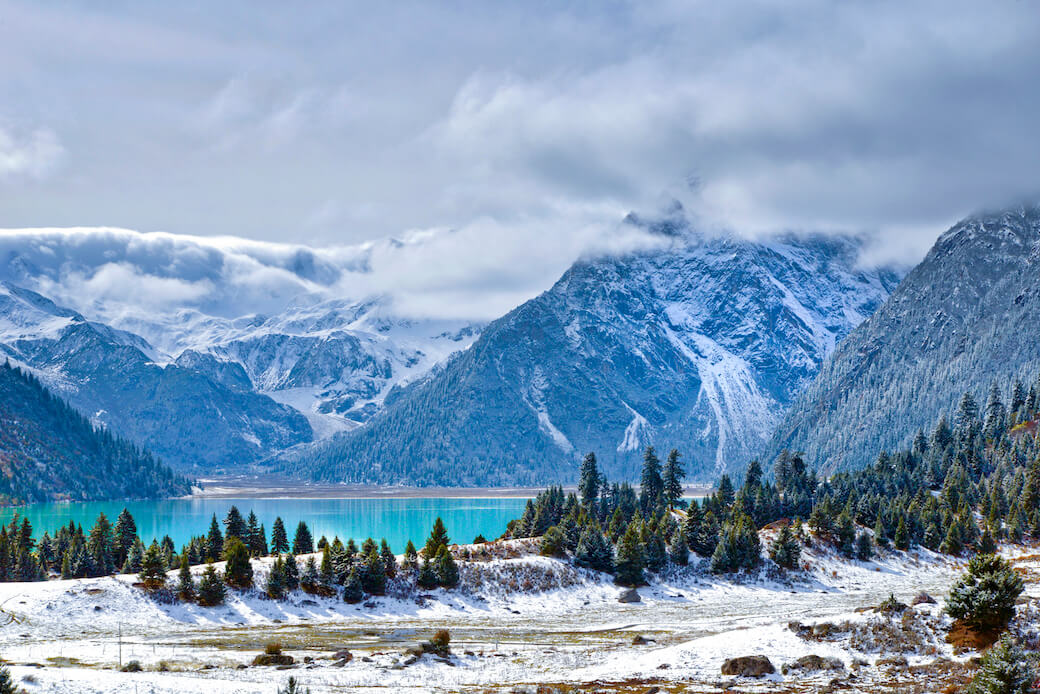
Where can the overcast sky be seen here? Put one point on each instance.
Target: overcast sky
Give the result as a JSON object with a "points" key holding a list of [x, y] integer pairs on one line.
{"points": [[536, 123]]}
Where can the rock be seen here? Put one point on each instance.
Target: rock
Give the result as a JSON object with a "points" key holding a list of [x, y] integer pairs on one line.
{"points": [[411, 660], [652, 690], [366, 659], [640, 640], [308, 659], [748, 666], [307, 602], [630, 595], [923, 598], [286, 667], [280, 660], [343, 654], [342, 662], [415, 649], [814, 663]]}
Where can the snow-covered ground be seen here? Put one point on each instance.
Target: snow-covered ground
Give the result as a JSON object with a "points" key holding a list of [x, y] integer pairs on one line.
{"points": [[514, 622]]}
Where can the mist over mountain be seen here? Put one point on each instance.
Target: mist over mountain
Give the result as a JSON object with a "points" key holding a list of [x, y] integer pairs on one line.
{"points": [[964, 318], [700, 344]]}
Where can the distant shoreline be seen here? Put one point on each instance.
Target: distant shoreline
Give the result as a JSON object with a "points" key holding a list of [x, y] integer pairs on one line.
{"points": [[281, 488]]}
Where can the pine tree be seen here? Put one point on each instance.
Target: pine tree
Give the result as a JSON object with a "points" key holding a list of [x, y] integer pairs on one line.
{"points": [[303, 543], [785, 550], [879, 533], [125, 536], [902, 537], [254, 539], [99, 546], [153, 570], [235, 526], [692, 524], [238, 571], [374, 576], [986, 543], [6, 683], [846, 534], [1005, 669], [650, 483], [438, 538], [593, 552], [864, 550], [211, 589], [984, 597], [275, 587], [411, 557], [630, 559], [447, 570], [328, 573], [214, 541], [310, 580], [389, 560], [553, 543], [678, 551], [656, 550], [995, 414], [133, 558], [353, 593], [588, 486], [739, 546], [671, 480], [186, 589], [279, 540], [427, 577]]}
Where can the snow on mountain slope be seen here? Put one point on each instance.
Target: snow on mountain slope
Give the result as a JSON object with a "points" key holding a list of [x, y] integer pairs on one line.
{"points": [[275, 310], [701, 345]]}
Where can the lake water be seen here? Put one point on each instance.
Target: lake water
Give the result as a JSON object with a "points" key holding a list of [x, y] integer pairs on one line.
{"points": [[396, 519]]}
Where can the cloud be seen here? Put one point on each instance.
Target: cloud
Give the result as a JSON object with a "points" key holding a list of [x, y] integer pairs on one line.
{"points": [[33, 155]]}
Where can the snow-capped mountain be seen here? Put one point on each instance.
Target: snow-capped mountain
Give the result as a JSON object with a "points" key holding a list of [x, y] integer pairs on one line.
{"points": [[263, 322], [962, 319], [700, 345]]}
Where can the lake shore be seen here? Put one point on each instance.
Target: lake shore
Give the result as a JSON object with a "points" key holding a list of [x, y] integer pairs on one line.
{"points": [[268, 487]]}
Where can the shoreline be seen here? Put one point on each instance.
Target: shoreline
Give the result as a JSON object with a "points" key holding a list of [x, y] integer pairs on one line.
{"points": [[256, 487]]}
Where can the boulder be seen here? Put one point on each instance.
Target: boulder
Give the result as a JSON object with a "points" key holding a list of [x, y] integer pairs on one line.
{"points": [[630, 595], [343, 654], [814, 663], [923, 598], [748, 666], [267, 659]]}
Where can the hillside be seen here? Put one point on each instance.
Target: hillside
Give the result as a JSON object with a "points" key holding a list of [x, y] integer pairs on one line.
{"points": [[50, 452], [962, 319], [700, 344]]}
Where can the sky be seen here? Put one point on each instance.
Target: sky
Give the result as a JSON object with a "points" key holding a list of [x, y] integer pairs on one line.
{"points": [[525, 129]]}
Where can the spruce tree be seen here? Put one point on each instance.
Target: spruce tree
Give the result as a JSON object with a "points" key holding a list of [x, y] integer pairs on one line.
{"points": [[214, 541], [327, 573], [411, 557], [630, 559], [593, 552], [650, 484], [291, 572], [588, 485], [235, 526], [238, 571], [427, 577], [447, 570], [986, 543], [438, 538], [374, 576], [211, 589], [671, 480], [864, 550], [984, 597], [785, 550], [846, 534], [99, 546], [692, 525], [655, 548], [1005, 669], [6, 683], [678, 551], [353, 593], [153, 570], [279, 540], [902, 537], [303, 543], [553, 543], [275, 587], [254, 539], [125, 536], [389, 560], [309, 580], [186, 588], [132, 564]]}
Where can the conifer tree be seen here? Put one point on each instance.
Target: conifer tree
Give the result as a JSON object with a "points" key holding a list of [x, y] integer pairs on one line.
{"points": [[235, 526], [153, 570], [447, 570], [879, 533], [125, 536], [211, 589], [650, 484], [725, 493], [738, 547], [671, 480], [692, 524], [427, 577], [864, 550], [328, 573], [553, 543], [984, 597], [186, 589], [588, 485], [214, 541], [374, 576], [254, 539], [438, 538], [678, 550], [1005, 669], [6, 683], [303, 543], [99, 546], [291, 572], [655, 548], [275, 587], [353, 593], [785, 550], [132, 564], [630, 559], [279, 540], [309, 580], [411, 557], [389, 560], [846, 534], [986, 543], [238, 571], [902, 537], [593, 552]]}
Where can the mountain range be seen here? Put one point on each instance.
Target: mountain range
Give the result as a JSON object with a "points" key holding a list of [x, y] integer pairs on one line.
{"points": [[965, 317], [699, 344]]}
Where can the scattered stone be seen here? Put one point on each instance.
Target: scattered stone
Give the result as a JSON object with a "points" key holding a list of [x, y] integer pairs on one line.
{"points": [[286, 667], [308, 659], [652, 690], [341, 662], [241, 666], [343, 654], [268, 659], [411, 660], [748, 666], [307, 602], [640, 640], [630, 595], [468, 653], [366, 659], [813, 663], [923, 598]]}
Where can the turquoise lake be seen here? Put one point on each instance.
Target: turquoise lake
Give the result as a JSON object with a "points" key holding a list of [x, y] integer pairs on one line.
{"points": [[396, 519]]}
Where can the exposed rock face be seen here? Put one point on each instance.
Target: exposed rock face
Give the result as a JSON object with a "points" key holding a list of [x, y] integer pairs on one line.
{"points": [[629, 596]]}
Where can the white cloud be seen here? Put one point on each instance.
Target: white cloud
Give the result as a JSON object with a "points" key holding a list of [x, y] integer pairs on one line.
{"points": [[33, 154]]}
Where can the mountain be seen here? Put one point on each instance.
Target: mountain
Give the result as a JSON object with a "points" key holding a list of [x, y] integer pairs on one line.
{"points": [[963, 318], [700, 345], [197, 413], [253, 347], [49, 452]]}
